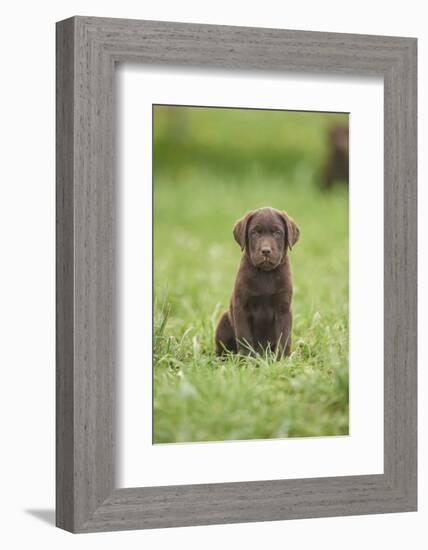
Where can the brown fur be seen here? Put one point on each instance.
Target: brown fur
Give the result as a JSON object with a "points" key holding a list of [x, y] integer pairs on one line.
{"points": [[259, 316], [337, 167]]}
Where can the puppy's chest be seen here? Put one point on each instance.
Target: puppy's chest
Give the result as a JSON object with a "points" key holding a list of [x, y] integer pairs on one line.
{"points": [[266, 307]]}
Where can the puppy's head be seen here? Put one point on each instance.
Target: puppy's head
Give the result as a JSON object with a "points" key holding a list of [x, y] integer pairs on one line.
{"points": [[265, 235]]}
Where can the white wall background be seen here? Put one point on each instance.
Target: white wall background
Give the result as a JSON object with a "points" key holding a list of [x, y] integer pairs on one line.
{"points": [[27, 272]]}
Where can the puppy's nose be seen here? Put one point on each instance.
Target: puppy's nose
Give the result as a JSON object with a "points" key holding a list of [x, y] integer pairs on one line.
{"points": [[266, 250]]}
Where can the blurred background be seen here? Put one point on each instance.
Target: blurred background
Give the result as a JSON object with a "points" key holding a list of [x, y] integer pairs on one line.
{"points": [[211, 165], [306, 146]]}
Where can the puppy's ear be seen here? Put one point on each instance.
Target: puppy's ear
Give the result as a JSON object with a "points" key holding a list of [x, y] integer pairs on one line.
{"points": [[293, 231], [240, 229]]}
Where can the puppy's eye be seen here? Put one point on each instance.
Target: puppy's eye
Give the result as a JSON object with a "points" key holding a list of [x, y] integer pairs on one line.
{"points": [[254, 232], [277, 233]]}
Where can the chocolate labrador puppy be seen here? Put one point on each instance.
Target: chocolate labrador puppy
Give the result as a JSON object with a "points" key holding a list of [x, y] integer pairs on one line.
{"points": [[259, 316]]}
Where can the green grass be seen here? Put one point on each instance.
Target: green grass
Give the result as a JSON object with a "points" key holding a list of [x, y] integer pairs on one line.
{"points": [[197, 396]]}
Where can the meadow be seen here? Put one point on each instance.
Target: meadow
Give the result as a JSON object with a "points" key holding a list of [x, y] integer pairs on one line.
{"points": [[210, 167]]}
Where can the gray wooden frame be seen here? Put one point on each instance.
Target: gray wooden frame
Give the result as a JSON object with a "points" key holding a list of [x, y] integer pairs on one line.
{"points": [[87, 50]]}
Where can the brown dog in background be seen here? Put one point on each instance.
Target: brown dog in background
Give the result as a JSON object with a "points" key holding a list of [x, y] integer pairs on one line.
{"points": [[259, 316], [337, 167]]}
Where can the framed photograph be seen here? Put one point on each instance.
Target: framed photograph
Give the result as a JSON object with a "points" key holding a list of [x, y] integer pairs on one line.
{"points": [[236, 274]]}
